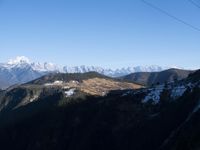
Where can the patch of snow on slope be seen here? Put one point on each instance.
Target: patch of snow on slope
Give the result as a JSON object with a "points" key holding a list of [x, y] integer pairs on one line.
{"points": [[154, 94], [56, 83], [178, 91], [70, 92], [34, 98], [196, 108]]}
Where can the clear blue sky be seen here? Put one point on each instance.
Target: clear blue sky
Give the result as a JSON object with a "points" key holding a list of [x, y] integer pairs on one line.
{"points": [[112, 33]]}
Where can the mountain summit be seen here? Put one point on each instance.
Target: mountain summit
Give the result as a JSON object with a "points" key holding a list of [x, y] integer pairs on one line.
{"points": [[19, 60]]}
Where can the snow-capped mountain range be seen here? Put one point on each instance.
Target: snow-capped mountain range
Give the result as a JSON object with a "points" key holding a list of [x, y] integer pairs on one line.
{"points": [[22, 69], [23, 62]]}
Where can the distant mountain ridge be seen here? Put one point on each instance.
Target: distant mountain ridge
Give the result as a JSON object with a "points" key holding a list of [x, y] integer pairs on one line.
{"points": [[149, 78], [112, 72], [22, 61], [21, 70]]}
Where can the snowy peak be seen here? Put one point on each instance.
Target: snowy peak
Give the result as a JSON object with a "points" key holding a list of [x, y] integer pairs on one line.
{"points": [[82, 69], [19, 60], [24, 62], [45, 67]]}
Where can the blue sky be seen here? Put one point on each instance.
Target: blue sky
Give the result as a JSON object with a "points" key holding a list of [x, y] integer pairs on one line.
{"points": [[108, 33]]}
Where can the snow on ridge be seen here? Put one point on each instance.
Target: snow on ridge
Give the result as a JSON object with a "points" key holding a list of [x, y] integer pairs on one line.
{"points": [[113, 72], [154, 93], [46, 67], [178, 91], [22, 62]]}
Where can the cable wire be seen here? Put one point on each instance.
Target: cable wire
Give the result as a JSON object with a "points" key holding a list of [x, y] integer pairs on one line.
{"points": [[194, 3], [170, 15]]}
